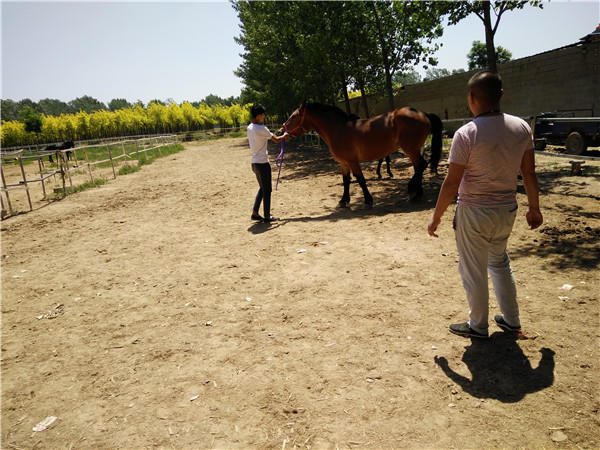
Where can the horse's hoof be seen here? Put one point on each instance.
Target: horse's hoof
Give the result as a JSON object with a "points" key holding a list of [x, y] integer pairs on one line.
{"points": [[414, 196], [342, 204]]}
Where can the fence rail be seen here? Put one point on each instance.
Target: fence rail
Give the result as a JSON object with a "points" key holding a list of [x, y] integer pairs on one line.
{"points": [[137, 148], [37, 148]]}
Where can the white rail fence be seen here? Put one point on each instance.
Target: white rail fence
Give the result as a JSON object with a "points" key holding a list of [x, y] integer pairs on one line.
{"points": [[116, 150]]}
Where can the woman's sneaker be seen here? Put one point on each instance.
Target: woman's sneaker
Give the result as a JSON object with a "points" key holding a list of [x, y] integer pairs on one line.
{"points": [[506, 327], [463, 329]]}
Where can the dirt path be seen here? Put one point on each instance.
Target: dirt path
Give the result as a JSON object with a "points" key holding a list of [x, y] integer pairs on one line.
{"points": [[183, 324]]}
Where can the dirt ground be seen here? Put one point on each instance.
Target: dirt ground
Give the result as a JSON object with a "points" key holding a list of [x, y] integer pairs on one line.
{"points": [[151, 312]]}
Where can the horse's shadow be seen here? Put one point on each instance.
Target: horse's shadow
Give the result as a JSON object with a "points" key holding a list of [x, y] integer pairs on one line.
{"points": [[500, 370], [391, 197], [380, 209]]}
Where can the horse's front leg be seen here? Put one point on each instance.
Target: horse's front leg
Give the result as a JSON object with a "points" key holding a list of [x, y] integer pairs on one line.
{"points": [[415, 185], [346, 179], [356, 170]]}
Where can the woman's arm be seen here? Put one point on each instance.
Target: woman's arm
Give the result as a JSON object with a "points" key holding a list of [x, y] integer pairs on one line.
{"points": [[278, 139]]}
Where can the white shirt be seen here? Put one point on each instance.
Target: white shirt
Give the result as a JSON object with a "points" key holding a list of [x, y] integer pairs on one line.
{"points": [[491, 149], [258, 136]]}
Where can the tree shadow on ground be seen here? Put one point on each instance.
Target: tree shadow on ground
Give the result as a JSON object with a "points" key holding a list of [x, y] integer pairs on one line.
{"points": [[571, 243], [500, 370], [560, 181]]}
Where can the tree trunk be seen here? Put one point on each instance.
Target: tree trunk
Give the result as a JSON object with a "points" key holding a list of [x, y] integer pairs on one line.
{"points": [[489, 38], [346, 98], [363, 97], [384, 54]]}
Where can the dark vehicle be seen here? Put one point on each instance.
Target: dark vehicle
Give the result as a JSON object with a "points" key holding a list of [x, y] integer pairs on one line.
{"points": [[575, 133]]}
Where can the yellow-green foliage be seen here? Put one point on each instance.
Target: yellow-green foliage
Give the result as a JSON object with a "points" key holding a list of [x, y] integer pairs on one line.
{"points": [[156, 118]]}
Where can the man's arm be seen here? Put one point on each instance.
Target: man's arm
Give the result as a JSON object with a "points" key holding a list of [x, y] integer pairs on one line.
{"points": [[446, 195], [534, 215]]}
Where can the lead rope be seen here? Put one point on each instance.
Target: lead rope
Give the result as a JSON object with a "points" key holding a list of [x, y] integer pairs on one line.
{"points": [[279, 162]]}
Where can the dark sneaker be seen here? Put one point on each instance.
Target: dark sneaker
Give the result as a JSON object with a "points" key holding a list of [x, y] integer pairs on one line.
{"points": [[463, 329], [506, 327], [271, 219], [256, 217]]}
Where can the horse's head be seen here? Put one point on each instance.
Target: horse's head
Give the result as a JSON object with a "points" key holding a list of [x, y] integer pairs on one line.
{"points": [[295, 123]]}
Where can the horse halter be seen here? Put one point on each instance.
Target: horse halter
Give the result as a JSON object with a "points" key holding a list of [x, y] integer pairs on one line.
{"points": [[299, 130]]}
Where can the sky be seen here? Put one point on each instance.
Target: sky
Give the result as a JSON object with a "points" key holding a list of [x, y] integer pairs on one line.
{"points": [[186, 51]]}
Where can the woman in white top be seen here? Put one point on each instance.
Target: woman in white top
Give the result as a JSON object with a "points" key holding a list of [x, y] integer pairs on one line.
{"points": [[258, 137]]}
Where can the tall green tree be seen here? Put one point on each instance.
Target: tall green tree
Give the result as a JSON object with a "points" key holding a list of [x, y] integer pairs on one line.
{"points": [[434, 73], [54, 107], [87, 104], [484, 9], [409, 76], [478, 56], [405, 32], [316, 50], [32, 119], [9, 110], [118, 103]]}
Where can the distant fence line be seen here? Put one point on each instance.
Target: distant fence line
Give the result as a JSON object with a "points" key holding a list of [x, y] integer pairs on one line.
{"points": [[181, 135], [64, 169]]}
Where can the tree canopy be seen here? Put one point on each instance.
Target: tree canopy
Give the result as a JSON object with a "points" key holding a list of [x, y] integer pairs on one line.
{"points": [[478, 56], [318, 50], [483, 9]]}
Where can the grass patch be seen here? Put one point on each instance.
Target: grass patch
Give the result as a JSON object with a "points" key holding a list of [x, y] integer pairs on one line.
{"points": [[211, 136], [80, 188], [150, 156], [128, 169]]}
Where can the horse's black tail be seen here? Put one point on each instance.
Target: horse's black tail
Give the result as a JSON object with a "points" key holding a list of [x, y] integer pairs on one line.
{"points": [[436, 140]]}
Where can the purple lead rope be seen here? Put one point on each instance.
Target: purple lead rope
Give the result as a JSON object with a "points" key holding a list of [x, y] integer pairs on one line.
{"points": [[279, 162]]}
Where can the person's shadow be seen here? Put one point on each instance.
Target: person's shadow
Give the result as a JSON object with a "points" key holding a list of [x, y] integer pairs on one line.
{"points": [[500, 370]]}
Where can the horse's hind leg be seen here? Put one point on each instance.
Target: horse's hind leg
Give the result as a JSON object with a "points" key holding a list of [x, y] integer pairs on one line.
{"points": [[387, 165], [415, 185], [356, 170]]}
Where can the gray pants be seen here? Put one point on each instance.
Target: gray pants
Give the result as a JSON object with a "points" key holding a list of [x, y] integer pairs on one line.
{"points": [[481, 237]]}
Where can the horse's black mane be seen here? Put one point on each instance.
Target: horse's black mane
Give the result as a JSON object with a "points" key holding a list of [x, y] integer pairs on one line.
{"points": [[328, 108]]}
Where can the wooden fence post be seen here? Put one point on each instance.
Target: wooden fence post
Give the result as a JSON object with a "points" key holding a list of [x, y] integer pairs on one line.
{"points": [[88, 164], [111, 161], [75, 156], [42, 176], [25, 183], [62, 157], [10, 210], [62, 174], [137, 151]]}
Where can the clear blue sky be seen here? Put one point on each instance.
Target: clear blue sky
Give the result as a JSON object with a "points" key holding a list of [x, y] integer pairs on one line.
{"points": [[186, 51]]}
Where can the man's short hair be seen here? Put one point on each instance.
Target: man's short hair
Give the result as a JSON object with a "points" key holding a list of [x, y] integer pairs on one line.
{"points": [[486, 86], [257, 109]]}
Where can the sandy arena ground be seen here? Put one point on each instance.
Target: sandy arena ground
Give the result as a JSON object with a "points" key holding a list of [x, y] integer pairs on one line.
{"points": [[151, 312]]}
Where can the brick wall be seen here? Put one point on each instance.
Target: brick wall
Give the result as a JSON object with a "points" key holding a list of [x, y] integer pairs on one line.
{"points": [[565, 79]]}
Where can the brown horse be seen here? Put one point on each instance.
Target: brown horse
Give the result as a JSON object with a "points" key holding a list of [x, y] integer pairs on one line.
{"points": [[352, 140]]}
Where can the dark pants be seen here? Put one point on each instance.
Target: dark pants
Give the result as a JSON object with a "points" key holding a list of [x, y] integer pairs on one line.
{"points": [[263, 176]]}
